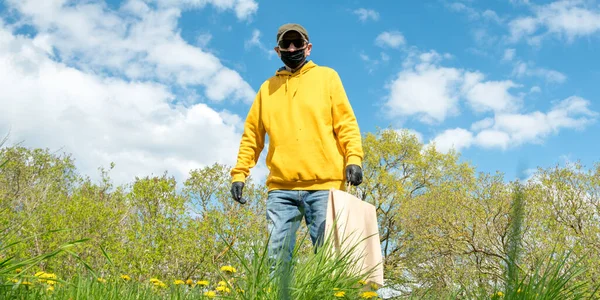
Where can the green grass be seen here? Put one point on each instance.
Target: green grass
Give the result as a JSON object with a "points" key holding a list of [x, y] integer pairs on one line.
{"points": [[317, 275]]}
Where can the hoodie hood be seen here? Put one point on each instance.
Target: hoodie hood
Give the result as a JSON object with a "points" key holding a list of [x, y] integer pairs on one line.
{"points": [[294, 80], [306, 66]]}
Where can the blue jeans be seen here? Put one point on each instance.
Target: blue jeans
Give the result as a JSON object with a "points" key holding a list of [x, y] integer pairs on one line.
{"points": [[285, 211]]}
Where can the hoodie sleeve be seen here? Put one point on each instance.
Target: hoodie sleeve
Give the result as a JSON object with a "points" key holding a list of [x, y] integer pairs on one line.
{"points": [[345, 124], [251, 144]]}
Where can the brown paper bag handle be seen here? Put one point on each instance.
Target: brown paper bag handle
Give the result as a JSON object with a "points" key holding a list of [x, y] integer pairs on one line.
{"points": [[336, 233], [348, 189]]}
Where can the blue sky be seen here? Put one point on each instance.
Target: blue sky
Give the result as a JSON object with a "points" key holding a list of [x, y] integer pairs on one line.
{"points": [[161, 85]]}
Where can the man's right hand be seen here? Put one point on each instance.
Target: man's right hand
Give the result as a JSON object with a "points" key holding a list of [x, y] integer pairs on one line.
{"points": [[236, 192]]}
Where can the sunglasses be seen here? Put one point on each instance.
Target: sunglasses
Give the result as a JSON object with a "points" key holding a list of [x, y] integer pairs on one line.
{"points": [[298, 43]]}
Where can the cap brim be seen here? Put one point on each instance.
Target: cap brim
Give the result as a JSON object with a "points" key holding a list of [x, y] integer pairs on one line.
{"points": [[282, 34]]}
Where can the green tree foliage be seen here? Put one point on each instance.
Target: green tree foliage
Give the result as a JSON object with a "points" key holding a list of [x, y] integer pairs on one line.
{"points": [[445, 229]]}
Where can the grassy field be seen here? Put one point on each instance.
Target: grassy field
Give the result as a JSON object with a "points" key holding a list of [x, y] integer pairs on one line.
{"points": [[323, 275]]}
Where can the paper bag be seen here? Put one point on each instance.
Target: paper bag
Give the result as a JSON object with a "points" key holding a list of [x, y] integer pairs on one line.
{"points": [[355, 225]]}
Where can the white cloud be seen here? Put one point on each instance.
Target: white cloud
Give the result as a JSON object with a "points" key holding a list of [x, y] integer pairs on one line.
{"points": [[456, 139], [567, 19], [522, 27], [490, 95], [427, 91], [431, 92], [244, 9], [509, 54], [491, 15], [482, 124], [474, 14], [366, 14], [519, 2], [99, 84], [571, 113], [100, 120], [507, 130], [522, 69], [535, 89], [385, 57], [392, 39], [203, 39], [461, 7], [136, 42], [255, 41], [492, 139], [371, 64]]}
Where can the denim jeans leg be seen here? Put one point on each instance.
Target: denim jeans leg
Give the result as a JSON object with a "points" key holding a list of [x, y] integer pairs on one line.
{"points": [[284, 215], [315, 203]]}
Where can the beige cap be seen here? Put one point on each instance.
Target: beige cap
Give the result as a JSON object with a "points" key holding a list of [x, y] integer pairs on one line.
{"points": [[291, 27]]}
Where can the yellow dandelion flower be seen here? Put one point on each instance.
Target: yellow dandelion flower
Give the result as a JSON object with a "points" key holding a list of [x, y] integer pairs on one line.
{"points": [[362, 282], [210, 294], [222, 283], [374, 286], [44, 277], [18, 270], [222, 288], [101, 280], [125, 277], [339, 294], [518, 291], [368, 295], [153, 280], [178, 282], [240, 291], [202, 282], [500, 294], [22, 282], [50, 288], [189, 282], [228, 269]]}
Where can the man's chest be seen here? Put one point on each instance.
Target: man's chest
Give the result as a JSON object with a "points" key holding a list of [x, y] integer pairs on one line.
{"points": [[297, 105]]}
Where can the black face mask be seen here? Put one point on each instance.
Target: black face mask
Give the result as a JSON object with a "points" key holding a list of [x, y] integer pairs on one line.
{"points": [[293, 59]]}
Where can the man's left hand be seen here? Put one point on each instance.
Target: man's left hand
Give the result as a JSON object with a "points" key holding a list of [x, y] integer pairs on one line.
{"points": [[354, 174]]}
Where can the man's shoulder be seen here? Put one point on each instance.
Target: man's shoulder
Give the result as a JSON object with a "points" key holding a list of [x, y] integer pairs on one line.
{"points": [[268, 82], [325, 69]]}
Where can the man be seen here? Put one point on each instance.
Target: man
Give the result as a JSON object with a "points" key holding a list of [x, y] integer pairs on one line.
{"points": [[314, 142]]}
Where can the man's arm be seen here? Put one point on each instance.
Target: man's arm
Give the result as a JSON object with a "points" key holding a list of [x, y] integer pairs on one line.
{"points": [[251, 144], [345, 124]]}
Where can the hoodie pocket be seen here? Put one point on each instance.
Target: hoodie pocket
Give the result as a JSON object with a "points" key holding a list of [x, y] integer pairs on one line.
{"points": [[301, 161]]}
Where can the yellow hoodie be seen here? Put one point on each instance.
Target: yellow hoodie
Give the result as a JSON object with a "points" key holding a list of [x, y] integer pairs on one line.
{"points": [[312, 129]]}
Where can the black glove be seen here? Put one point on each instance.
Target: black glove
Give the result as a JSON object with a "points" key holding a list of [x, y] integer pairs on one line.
{"points": [[354, 174], [236, 191]]}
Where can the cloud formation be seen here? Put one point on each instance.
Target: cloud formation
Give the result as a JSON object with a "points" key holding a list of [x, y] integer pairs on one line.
{"points": [[391, 39], [508, 130], [365, 14], [431, 92], [103, 84], [566, 19]]}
